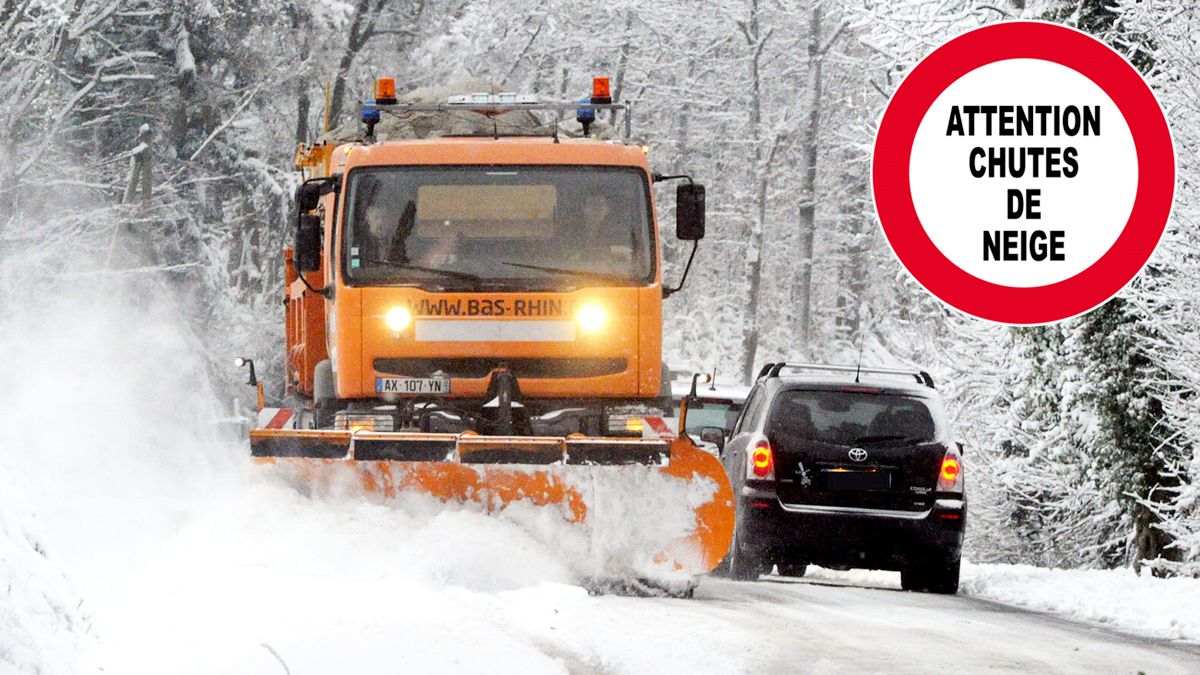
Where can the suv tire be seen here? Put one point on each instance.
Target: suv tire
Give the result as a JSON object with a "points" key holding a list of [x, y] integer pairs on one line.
{"points": [[745, 564], [912, 579], [792, 569], [943, 578], [939, 577]]}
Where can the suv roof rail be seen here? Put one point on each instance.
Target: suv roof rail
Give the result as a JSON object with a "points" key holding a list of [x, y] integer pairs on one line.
{"points": [[773, 370]]}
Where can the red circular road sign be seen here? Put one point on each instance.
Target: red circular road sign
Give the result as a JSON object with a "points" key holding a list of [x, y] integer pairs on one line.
{"points": [[932, 204]]}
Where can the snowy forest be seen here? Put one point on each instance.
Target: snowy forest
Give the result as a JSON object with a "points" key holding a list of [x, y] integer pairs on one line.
{"points": [[1083, 438]]}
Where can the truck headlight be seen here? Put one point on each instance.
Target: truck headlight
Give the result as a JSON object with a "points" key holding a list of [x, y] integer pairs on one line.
{"points": [[397, 319], [592, 318]]}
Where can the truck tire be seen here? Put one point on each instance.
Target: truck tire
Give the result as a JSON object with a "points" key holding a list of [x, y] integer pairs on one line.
{"points": [[325, 399], [323, 385], [665, 399]]}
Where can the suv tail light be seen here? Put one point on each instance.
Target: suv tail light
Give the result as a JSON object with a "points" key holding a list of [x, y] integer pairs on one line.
{"points": [[762, 461], [950, 478]]}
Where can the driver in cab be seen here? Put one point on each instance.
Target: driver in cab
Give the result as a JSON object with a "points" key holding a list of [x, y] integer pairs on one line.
{"points": [[601, 238]]}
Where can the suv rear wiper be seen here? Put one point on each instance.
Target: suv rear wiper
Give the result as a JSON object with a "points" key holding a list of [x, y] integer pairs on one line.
{"points": [[579, 273], [475, 279], [908, 440]]}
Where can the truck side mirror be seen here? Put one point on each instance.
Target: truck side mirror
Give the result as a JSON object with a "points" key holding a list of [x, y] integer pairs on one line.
{"points": [[308, 195], [689, 211], [308, 243], [714, 435]]}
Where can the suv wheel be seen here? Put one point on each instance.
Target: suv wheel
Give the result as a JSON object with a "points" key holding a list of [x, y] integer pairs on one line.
{"points": [[792, 569], [939, 577], [745, 564], [944, 577], [912, 579]]}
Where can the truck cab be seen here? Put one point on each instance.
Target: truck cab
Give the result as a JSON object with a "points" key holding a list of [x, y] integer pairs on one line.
{"points": [[488, 283]]}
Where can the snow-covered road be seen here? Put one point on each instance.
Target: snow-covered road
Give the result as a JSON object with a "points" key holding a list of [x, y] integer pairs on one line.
{"points": [[323, 625], [832, 626]]}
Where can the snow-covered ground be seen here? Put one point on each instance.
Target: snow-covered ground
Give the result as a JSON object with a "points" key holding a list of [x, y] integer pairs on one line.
{"points": [[1118, 599], [1166, 609], [42, 623]]}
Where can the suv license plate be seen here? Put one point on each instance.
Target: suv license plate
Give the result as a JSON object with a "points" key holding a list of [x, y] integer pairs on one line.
{"points": [[412, 386], [858, 480]]}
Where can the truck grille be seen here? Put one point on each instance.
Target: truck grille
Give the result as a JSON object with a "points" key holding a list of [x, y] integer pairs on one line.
{"points": [[523, 368]]}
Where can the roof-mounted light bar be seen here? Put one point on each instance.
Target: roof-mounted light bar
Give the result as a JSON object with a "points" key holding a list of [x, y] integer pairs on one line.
{"points": [[773, 370], [494, 104]]}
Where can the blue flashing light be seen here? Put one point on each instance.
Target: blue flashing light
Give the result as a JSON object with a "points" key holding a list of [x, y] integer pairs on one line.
{"points": [[370, 115], [585, 114]]}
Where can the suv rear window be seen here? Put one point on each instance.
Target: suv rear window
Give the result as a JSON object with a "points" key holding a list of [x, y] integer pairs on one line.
{"points": [[851, 418]]}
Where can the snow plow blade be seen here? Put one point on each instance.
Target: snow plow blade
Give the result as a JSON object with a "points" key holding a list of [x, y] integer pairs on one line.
{"points": [[581, 477]]}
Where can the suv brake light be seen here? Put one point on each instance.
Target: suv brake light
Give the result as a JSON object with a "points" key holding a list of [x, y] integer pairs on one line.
{"points": [[950, 478], [762, 460]]}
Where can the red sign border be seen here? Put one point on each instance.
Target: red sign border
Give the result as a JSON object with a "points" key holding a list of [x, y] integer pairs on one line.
{"points": [[1152, 204]]}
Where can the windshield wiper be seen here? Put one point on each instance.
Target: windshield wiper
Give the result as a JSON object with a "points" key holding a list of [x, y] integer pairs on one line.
{"points": [[476, 280], [578, 273], [908, 440]]}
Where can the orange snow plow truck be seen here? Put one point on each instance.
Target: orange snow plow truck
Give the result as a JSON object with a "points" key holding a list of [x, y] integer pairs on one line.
{"points": [[474, 312]]}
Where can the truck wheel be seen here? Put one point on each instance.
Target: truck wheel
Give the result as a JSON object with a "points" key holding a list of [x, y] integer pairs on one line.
{"points": [[325, 399], [665, 399], [325, 410], [792, 569]]}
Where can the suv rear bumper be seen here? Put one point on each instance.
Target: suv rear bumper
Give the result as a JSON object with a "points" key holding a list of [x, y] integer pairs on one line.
{"points": [[849, 536]]}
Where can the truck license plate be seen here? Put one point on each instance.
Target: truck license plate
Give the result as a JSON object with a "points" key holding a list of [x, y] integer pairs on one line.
{"points": [[412, 386]]}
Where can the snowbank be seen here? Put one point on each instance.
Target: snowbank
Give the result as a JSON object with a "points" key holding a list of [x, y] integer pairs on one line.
{"points": [[1119, 599], [41, 623], [108, 432]]}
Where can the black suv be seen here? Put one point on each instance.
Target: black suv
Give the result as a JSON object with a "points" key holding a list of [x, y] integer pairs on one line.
{"points": [[846, 467]]}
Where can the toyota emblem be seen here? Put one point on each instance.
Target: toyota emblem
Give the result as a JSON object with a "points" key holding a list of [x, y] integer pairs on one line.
{"points": [[858, 454]]}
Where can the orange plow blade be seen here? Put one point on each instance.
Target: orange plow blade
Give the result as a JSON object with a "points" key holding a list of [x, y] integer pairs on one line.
{"points": [[661, 504]]}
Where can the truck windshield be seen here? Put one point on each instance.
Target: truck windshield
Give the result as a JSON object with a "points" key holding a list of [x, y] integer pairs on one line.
{"points": [[528, 225]]}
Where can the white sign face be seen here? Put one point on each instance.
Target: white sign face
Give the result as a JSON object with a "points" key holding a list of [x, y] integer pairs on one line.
{"points": [[1023, 172]]}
